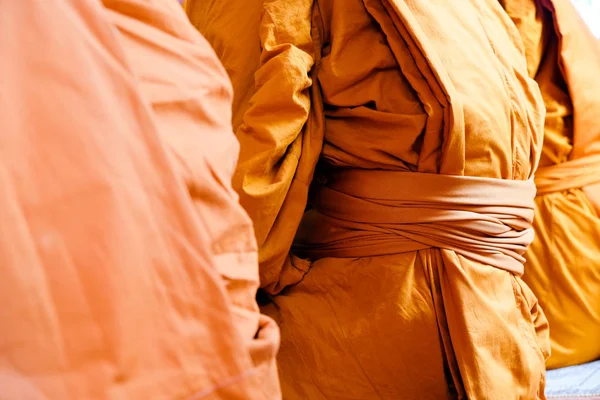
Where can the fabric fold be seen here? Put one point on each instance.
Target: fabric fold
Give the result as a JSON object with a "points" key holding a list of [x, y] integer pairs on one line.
{"points": [[363, 213], [110, 286], [375, 90], [578, 173], [191, 97], [564, 259]]}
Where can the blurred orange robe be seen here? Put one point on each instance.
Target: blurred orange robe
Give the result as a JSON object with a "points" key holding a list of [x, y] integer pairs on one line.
{"points": [[115, 285], [191, 96], [403, 279], [563, 266]]}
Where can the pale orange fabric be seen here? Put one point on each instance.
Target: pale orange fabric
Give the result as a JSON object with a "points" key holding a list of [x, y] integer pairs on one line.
{"points": [[395, 86], [191, 97], [109, 288], [563, 265]]}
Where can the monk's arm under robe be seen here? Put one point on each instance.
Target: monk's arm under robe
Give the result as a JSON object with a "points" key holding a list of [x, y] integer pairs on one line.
{"points": [[191, 97], [280, 138]]}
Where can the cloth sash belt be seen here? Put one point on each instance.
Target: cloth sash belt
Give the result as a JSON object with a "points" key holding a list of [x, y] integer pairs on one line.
{"points": [[568, 175], [362, 213]]}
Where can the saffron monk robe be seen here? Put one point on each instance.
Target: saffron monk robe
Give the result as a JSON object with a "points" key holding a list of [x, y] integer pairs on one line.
{"points": [[563, 267], [115, 284], [402, 281]]}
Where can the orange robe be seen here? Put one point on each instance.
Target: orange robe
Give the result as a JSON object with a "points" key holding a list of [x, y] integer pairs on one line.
{"points": [[403, 277], [113, 283], [563, 267], [191, 97]]}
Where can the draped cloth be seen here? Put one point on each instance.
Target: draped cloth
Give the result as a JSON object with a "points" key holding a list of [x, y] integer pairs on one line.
{"points": [[191, 96], [113, 281], [564, 259], [336, 103], [387, 212], [574, 174]]}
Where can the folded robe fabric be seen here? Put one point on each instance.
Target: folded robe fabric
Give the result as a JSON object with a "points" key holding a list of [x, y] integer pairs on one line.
{"points": [[191, 97], [372, 104], [113, 283], [563, 265]]}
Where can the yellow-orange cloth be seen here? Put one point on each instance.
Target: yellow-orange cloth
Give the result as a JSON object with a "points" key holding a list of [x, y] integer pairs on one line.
{"points": [[377, 212], [401, 86], [563, 262]]}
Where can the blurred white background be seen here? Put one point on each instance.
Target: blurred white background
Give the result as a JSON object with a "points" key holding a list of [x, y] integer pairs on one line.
{"points": [[590, 11]]}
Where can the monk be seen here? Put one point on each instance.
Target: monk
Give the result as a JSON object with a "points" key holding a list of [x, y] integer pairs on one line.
{"points": [[114, 282], [418, 131], [563, 267]]}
